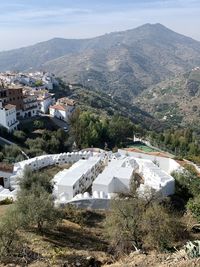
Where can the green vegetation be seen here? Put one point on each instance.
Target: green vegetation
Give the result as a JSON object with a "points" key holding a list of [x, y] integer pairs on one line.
{"points": [[90, 130], [181, 142], [141, 223], [43, 141], [133, 222]]}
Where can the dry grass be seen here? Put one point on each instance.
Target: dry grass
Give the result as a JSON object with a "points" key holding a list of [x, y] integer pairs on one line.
{"points": [[66, 244], [3, 209]]}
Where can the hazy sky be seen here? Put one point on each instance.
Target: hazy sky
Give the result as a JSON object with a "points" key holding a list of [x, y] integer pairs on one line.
{"points": [[25, 22]]}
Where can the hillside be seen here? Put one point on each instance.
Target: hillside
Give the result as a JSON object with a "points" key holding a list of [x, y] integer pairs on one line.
{"points": [[102, 104], [174, 100], [121, 63]]}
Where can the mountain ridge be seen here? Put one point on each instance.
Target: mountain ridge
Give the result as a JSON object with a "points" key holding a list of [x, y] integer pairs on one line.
{"points": [[120, 63]]}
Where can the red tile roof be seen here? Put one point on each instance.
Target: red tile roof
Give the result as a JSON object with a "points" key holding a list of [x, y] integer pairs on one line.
{"points": [[58, 107]]}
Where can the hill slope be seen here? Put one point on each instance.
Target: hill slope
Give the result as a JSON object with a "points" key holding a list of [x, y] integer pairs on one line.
{"points": [[120, 63], [174, 100]]}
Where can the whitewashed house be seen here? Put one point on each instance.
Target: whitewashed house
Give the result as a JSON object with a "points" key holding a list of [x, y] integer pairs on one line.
{"points": [[8, 117], [45, 101], [63, 109]]}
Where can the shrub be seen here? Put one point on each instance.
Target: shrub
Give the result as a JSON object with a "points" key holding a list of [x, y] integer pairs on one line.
{"points": [[6, 201], [10, 241], [136, 222]]}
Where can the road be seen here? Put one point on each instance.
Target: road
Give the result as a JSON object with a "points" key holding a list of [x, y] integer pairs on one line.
{"points": [[60, 123], [4, 141]]}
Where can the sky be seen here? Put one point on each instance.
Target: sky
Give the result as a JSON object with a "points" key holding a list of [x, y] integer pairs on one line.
{"points": [[26, 22]]}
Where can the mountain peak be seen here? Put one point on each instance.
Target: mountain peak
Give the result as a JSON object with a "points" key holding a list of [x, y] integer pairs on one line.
{"points": [[122, 63]]}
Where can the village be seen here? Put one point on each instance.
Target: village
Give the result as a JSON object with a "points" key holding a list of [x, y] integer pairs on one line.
{"points": [[26, 95], [95, 175]]}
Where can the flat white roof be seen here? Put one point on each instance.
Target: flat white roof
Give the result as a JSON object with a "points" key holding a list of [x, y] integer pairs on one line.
{"points": [[69, 177], [119, 168]]}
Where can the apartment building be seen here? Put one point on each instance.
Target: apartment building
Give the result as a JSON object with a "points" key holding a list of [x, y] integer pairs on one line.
{"points": [[8, 117]]}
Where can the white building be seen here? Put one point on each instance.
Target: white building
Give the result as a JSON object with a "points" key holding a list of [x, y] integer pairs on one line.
{"points": [[166, 164], [40, 162], [106, 174], [116, 176], [77, 179], [8, 117], [31, 106], [119, 173], [63, 109], [45, 101], [155, 178]]}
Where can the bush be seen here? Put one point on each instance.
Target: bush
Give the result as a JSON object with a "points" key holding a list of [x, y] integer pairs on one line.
{"points": [[194, 206], [6, 201], [20, 136], [10, 241], [35, 202], [139, 223]]}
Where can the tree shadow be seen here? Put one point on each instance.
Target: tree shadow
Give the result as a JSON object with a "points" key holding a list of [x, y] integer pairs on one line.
{"points": [[79, 239], [21, 257]]}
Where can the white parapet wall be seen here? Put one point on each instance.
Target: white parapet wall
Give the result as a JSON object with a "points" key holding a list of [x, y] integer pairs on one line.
{"points": [[166, 164], [155, 178], [40, 162], [105, 172]]}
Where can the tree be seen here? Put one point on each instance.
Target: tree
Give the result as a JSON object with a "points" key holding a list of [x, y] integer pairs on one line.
{"points": [[159, 227], [119, 129], [20, 135], [187, 182], [38, 124], [35, 201], [140, 222], [37, 208], [33, 179], [10, 241]]}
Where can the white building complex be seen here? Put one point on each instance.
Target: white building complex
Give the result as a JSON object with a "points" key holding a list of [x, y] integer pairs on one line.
{"points": [[95, 176], [77, 179], [116, 176]]}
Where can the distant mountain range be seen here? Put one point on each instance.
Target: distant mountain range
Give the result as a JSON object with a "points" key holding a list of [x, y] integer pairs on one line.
{"points": [[120, 63]]}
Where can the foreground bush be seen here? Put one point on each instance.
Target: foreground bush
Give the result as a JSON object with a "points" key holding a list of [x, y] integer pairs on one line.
{"points": [[139, 223], [10, 241]]}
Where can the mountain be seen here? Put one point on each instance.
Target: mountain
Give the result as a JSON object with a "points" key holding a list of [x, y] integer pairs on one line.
{"points": [[175, 101], [120, 63]]}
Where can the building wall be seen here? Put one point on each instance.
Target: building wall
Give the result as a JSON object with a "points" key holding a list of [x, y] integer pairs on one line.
{"points": [[6, 176], [40, 162], [166, 164], [3, 95], [8, 119], [45, 104], [15, 97], [60, 114]]}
